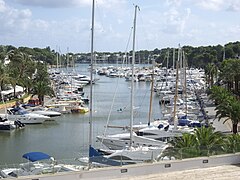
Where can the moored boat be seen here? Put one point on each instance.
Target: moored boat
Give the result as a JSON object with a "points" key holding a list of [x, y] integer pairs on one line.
{"points": [[23, 116]]}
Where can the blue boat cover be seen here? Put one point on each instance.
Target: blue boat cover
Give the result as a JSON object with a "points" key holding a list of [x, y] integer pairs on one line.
{"points": [[95, 156], [36, 156], [93, 152]]}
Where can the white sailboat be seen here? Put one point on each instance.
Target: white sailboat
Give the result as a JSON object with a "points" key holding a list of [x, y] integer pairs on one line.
{"points": [[94, 157], [133, 151]]}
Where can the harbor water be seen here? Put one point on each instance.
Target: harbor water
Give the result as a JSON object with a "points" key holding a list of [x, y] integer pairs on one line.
{"points": [[68, 136]]}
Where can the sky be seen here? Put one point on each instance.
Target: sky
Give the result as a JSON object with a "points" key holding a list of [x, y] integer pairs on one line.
{"points": [[65, 25]]}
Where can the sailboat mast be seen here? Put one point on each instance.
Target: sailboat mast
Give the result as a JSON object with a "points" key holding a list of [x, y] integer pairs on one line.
{"points": [[173, 58], [91, 77], [151, 95], [185, 80], [176, 91], [132, 80]]}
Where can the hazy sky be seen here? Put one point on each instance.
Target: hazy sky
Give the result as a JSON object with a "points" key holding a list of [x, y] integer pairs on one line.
{"points": [[66, 24]]}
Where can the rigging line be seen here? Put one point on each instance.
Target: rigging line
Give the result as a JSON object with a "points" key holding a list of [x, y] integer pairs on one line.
{"points": [[130, 35], [110, 112], [126, 58]]}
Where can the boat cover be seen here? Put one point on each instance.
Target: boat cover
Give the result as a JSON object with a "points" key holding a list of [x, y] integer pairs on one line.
{"points": [[36, 156], [95, 156]]}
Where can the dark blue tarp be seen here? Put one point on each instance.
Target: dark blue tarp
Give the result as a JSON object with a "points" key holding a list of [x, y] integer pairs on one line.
{"points": [[183, 122], [93, 152], [95, 156], [36, 156]]}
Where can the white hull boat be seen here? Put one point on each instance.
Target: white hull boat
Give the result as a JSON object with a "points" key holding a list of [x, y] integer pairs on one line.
{"points": [[24, 117], [121, 141]]}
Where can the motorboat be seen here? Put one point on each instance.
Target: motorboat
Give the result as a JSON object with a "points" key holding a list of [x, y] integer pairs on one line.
{"points": [[38, 163], [42, 111], [6, 125], [23, 116], [59, 107]]}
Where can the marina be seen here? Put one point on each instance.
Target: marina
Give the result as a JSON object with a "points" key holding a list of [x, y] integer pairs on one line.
{"points": [[153, 111], [66, 138]]}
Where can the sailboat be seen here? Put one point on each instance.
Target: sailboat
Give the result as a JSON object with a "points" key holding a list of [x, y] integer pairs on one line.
{"points": [[94, 156], [133, 150]]}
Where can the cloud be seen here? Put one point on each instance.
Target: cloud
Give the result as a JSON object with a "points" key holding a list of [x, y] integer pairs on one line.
{"points": [[173, 2], [12, 19], [214, 5], [69, 3], [234, 30], [234, 6], [53, 3], [219, 5], [175, 20], [2, 6]]}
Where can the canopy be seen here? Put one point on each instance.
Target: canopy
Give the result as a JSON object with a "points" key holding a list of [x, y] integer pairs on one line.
{"points": [[36, 156]]}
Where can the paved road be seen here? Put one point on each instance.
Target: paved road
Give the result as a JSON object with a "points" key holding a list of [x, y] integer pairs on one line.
{"points": [[228, 172]]}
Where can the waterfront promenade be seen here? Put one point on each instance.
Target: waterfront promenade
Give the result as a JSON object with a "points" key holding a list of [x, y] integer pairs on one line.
{"points": [[228, 172], [204, 168]]}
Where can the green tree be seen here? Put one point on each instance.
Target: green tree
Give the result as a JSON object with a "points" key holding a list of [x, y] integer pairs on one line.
{"points": [[203, 142], [232, 143], [211, 72], [184, 147], [41, 83], [230, 74], [229, 109], [208, 140], [219, 94]]}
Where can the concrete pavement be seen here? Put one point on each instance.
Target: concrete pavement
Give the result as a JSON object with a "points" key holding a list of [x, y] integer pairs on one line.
{"points": [[228, 172]]}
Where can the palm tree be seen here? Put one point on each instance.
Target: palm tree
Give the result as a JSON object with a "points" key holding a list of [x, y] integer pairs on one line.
{"points": [[182, 147], [41, 83], [231, 75], [203, 142], [208, 141], [219, 94], [4, 77], [232, 143], [42, 88], [230, 110], [211, 72]]}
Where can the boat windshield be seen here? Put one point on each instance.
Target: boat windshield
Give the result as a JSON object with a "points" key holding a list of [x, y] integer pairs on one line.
{"points": [[21, 112]]}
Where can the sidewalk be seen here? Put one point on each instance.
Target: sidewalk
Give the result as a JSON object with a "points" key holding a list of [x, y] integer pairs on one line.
{"points": [[228, 172], [219, 125]]}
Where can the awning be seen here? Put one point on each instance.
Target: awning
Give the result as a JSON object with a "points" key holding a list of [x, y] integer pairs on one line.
{"points": [[36, 156]]}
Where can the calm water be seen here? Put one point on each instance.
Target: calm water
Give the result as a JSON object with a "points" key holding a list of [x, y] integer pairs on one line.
{"points": [[67, 137]]}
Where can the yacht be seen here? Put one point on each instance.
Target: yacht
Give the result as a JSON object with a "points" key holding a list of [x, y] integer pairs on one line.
{"points": [[23, 116], [6, 125], [121, 141], [42, 111]]}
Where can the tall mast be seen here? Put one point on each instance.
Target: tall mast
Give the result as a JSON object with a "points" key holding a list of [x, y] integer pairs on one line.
{"points": [[151, 95], [132, 80], [176, 91], [91, 77], [185, 80], [173, 58], [167, 59]]}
